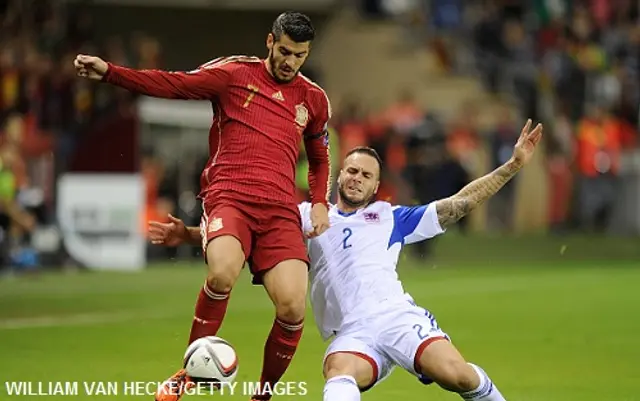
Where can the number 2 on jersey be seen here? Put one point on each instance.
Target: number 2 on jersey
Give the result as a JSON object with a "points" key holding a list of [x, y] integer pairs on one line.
{"points": [[418, 328], [253, 92], [347, 234]]}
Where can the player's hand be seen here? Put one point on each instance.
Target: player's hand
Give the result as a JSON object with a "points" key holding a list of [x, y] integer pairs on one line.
{"points": [[319, 220], [90, 67], [526, 145], [172, 234]]}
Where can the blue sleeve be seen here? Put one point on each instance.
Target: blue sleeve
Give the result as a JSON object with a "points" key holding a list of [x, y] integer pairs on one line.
{"points": [[406, 218], [405, 221], [415, 223]]}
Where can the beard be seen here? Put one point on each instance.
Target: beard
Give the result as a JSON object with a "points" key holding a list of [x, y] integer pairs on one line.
{"points": [[351, 202], [275, 69]]}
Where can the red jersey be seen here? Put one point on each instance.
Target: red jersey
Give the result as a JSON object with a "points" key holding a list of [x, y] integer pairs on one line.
{"points": [[257, 125]]}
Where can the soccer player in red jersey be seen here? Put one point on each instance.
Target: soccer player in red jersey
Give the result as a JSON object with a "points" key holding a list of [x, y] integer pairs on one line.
{"points": [[262, 110]]}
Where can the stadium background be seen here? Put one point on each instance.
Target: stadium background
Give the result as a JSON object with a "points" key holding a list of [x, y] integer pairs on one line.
{"points": [[537, 286]]}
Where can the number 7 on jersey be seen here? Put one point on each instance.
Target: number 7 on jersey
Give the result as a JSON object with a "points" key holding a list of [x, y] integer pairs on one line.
{"points": [[252, 94]]}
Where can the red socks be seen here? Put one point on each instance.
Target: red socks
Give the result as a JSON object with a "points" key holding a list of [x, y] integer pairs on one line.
{"points": [[279, 349], [210, 310]]}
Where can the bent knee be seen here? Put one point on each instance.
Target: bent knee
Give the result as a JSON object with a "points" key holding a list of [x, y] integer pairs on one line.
{"points": [[338, 371], [291, 308], [220, 282], [346, 364], [456, 376], [223, 272]]}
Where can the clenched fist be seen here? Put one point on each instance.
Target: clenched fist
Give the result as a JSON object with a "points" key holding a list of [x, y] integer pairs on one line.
{"points": [[90, 67]]}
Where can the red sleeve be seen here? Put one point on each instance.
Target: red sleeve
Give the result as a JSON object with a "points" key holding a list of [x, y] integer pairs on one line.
{"points": [[317, 150], [201, 84], [321, 113], [316, 142]]}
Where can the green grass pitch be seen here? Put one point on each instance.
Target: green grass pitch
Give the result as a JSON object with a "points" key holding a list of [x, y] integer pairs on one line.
{"points": [[563, 332]]}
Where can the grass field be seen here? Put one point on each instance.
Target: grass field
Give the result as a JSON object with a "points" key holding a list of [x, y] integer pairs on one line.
{"points": [[543, 332]]}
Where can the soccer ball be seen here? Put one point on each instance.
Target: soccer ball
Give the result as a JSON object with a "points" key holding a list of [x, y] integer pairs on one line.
{"points": [[211, 360]]}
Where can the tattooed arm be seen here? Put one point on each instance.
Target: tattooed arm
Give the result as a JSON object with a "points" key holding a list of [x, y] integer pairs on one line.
{"points": [[455, 207]]}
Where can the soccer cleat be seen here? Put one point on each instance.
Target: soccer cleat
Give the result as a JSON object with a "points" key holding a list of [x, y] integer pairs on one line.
{"points": [[174, 387]]}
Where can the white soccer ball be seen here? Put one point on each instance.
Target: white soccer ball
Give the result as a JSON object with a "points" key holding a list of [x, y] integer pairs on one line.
{"points": [[211, 360]]}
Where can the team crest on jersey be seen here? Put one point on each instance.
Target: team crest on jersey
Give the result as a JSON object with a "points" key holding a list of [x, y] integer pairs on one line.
{"points": [[372, 217], [302, 115], [215, 225]]}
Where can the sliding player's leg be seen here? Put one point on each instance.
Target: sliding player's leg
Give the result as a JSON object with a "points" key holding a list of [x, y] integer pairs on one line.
{"points": [[442, 362], [352, 366], [226, 240], [279, 262], [345, 375], [413, 340]]}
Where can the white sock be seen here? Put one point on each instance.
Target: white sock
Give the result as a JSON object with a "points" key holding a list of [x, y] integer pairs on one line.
{"points": [[486, 391], [341, 388]]}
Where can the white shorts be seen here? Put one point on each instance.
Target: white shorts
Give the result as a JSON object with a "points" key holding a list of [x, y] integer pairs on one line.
{"points": [[395, 337]]}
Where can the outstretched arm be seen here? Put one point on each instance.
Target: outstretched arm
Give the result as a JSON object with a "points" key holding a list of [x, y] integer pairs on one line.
{"points": [[197, 85], [455, 207], [203, 83]]}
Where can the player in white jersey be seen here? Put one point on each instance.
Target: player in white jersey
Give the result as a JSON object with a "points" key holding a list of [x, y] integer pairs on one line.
{"points": [[355, 293]]}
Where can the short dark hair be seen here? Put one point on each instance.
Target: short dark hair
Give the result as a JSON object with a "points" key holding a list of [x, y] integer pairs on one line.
{"points": [[296, 25], [365, 150]]}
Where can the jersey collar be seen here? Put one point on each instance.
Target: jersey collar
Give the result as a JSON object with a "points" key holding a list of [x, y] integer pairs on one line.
{"points": [[345, 214]]}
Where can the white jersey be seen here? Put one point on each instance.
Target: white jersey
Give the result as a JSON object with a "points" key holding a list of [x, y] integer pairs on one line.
{"points": [[353, 264]]}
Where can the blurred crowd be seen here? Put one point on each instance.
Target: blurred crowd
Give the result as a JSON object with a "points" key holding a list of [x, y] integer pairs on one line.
{"points": [[46, 114], [573, 64]]}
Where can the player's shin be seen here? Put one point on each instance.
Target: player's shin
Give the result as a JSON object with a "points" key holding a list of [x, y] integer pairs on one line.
{"points": [[211, 307], [279, 350], [486, 390], [341, 388]]}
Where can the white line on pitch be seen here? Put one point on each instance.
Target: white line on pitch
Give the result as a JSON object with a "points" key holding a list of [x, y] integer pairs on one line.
{"points": [[83, 319]]}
